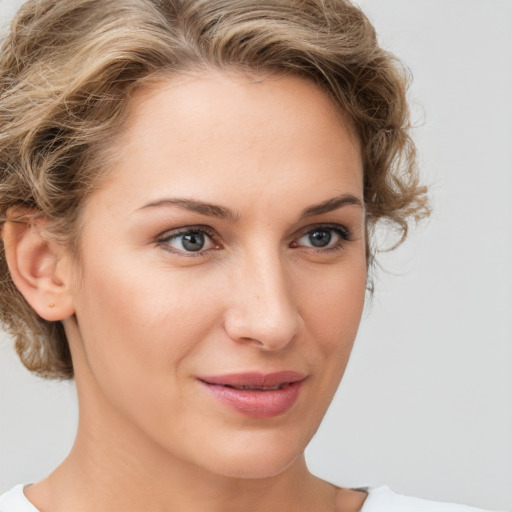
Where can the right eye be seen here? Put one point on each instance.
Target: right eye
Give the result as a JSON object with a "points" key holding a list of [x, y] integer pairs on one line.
{"points": [[188, 241]]}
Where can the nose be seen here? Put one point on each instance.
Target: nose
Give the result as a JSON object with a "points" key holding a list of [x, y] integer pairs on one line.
{"points": [[262, 309]]}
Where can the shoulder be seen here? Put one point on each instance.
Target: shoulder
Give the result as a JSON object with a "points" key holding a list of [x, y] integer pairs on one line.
{"points": [[383, 499], [15, 501]]}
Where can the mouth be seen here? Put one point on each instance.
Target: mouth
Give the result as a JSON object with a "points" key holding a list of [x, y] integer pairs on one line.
{"points": [[256, 395], [255, 388]]}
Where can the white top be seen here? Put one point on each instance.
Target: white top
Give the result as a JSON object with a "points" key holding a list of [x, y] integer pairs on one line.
{"points": [[380, 499], [383, 499], [15, 501]]}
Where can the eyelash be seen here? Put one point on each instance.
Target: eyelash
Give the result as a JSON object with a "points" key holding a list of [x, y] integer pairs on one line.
{"points": [[342, 232], [164, 240]]}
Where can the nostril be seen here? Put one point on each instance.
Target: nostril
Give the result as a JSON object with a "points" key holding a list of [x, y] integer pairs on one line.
{"points": [[262, 309], [266, 333]]}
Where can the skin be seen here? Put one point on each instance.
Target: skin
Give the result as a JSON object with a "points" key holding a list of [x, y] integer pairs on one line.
{"points": [[145, 318]]}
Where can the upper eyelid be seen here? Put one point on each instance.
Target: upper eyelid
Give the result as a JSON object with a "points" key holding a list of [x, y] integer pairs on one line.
{"points": [[215, 237], [164, 241], [332, 226], [171, 233], [344, 234]]}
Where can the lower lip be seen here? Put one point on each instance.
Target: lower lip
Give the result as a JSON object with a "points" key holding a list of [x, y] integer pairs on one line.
{"points": [[257, 404]]}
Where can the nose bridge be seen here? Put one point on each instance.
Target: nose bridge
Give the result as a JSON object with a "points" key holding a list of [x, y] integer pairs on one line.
{"points": [[263, 308]]}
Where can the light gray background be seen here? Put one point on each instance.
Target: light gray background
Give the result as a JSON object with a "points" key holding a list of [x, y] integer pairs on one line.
{"points": [[426, 403]]}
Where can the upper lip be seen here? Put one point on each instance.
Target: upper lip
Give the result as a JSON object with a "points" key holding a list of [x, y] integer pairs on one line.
{"points": [[255, 379]]}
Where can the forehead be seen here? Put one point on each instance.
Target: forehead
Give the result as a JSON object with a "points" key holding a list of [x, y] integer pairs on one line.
{"points": [[232, 95], [213, 128]]}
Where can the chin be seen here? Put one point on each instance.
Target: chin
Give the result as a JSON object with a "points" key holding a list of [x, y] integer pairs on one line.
{"points": [[260, 467], [256, 456]]}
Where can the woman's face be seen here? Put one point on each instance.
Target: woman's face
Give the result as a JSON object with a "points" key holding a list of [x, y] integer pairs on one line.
{"points": [[223, 271]]}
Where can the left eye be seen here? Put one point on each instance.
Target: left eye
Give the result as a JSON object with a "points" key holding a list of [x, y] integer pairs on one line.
{"points": [[323, 238], [189, 241]]}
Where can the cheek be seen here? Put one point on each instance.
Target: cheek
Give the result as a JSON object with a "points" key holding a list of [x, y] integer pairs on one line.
{"points": [[138, 326], [140, 334], [332, 317], [333, 307]]}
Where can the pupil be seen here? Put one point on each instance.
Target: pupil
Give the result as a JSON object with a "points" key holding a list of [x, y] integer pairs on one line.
{"points": [[193, 241], [320, 238]]}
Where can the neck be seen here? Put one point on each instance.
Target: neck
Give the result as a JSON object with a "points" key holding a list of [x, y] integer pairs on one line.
{"points": [[112, 466], [117, 479]]}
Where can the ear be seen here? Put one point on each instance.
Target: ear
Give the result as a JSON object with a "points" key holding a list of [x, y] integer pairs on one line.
{"points": [[40, 267]]}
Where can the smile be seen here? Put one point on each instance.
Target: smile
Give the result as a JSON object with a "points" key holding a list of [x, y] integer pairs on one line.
{"points": [[260, 388], [255, 394]]}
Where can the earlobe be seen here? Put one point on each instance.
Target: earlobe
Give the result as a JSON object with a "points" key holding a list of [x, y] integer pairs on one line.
{"points": [[39, 266]]}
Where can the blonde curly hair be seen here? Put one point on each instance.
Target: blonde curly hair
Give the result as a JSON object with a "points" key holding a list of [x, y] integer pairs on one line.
{"points": [[69, 67]]}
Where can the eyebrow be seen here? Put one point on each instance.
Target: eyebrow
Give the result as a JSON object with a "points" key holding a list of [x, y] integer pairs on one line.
{"points": [[192, 205], [222, 212], [331, 205]]}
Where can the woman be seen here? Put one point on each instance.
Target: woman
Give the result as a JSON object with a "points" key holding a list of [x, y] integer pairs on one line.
{"points": [[188, 196]]}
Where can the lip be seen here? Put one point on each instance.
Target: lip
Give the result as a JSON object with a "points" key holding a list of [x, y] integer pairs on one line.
{"points": [[256, 403]]}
